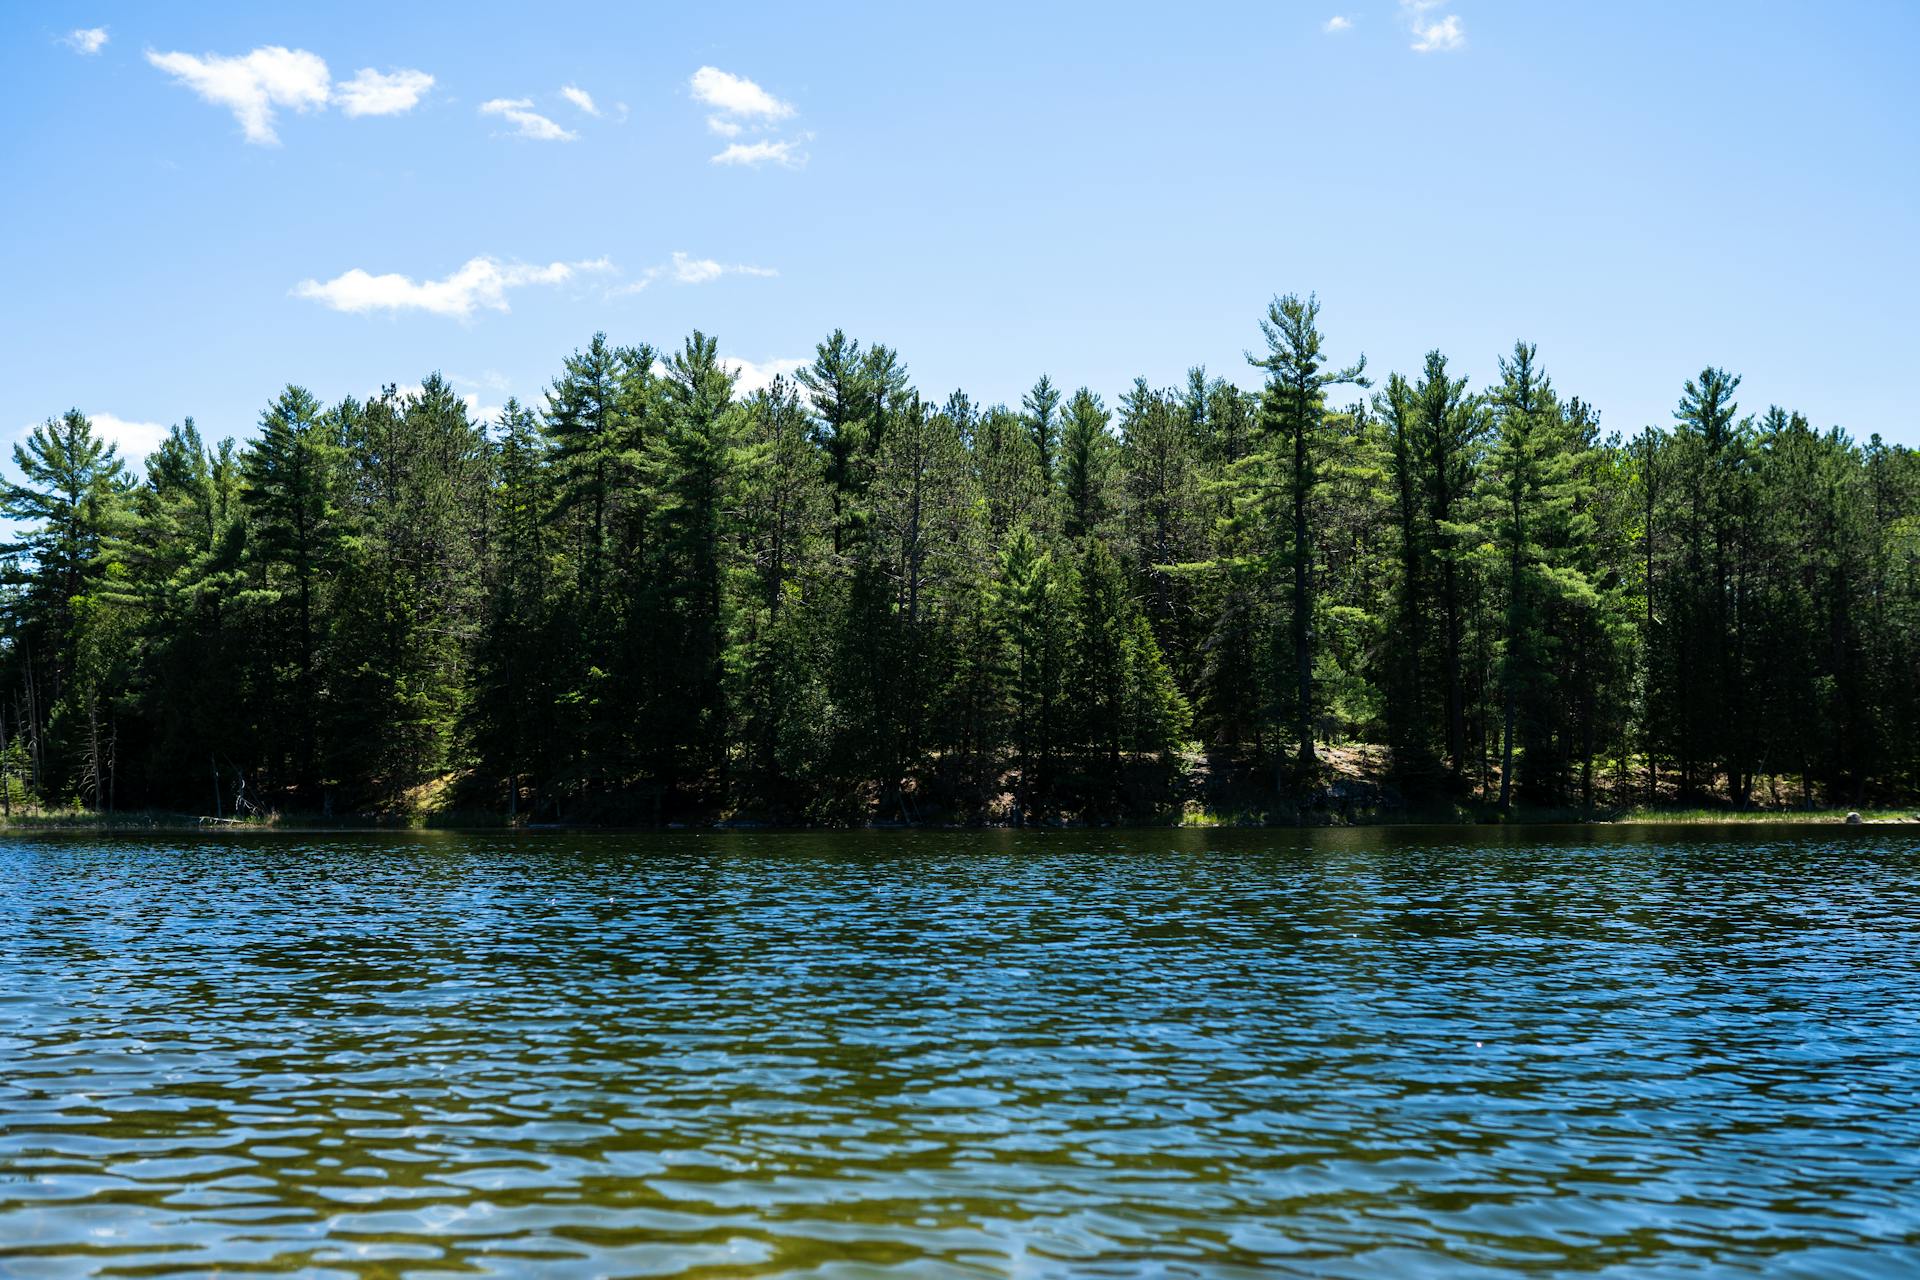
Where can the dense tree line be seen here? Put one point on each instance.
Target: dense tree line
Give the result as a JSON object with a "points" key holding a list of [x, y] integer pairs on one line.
{"points": [[651, 597]]}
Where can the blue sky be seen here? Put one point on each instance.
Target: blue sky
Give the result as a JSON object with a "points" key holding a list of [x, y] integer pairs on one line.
{"points": [[1096, 192]]}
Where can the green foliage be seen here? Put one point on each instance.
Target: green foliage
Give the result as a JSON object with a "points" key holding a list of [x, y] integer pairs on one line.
{"points": [[652, 598], [1294, 418]]}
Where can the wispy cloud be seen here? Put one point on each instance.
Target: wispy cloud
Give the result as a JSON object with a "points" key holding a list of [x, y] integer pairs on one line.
{"points": [[1441, 33], [739, 105], [580, 98], [787, 154], [490, 380], [86, 40], [686, 269], [529, 123], [1336, 24], [737, 96], [481, 282], [253, 85], [370, 93]]}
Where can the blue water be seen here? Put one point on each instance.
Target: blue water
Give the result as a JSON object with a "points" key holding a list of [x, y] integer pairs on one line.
{"points": [[1387, 1052]]}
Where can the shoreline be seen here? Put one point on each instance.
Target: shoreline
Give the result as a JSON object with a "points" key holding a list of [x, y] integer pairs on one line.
{"points": [[85, 823]]}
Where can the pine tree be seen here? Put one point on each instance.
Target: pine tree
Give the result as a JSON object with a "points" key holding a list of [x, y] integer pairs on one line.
{"points": [[294, 478], [776, 653], [410, 599], [852, 392], [72, 498], [1449, 426], [1087, 460], [1294, 414], [512, 713], [1163, 515], [1028, 605], [184, 549], [1006, 466], [1042, 406], [690, 477]]}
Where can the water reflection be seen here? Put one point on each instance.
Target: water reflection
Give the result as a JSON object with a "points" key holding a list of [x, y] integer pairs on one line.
{"points": [[1359, 1053]]}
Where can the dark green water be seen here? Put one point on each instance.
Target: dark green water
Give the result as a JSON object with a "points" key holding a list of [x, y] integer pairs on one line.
{"points": [[1362, 1053]]}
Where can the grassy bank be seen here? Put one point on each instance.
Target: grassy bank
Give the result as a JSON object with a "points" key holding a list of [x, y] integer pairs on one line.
{"points": [[1465, 815], [1723, 816]]}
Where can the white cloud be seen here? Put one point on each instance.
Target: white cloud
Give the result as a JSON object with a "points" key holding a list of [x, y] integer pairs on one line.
{"points": [[136, 439], [740, 104], [531, 124], [580, 98], [749, 377], [87, 40], [685, 269], [737, 95], [1443, 34], [476, 412], [251, 86], [482, 282], [688, 270], [753, 154], [1337, 24], [490, 380], [370, 93]]}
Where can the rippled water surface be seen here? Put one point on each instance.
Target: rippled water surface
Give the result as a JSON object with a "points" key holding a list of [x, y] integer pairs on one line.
{"points": [[1363, 1053]]}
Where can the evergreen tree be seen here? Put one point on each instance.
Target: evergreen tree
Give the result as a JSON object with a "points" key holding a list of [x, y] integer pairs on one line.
{"points": [[1087, 450], [512, 711], [780, 617], [186, 578], [72, 498], [1042, 406], [410, 597], [1449, 427], [1028, 604], [1163, 517], [1294, 411], [829, 602], [294, 482], [690, 468]]}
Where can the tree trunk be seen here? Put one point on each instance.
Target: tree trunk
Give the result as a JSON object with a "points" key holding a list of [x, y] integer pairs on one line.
{"points": [[1302, 611]]}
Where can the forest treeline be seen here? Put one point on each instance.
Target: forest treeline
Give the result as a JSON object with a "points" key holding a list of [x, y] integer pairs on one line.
{"points": [[836, 600]]}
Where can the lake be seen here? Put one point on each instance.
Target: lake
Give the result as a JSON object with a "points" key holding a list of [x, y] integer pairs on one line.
{"points": [[1376, 1052]]}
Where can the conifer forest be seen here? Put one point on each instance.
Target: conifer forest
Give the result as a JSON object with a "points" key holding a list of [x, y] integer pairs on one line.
{"points": [[841, 599]]}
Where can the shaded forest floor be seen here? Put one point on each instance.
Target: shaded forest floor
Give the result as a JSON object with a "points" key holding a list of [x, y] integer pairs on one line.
{"points": [[1195, 788]]}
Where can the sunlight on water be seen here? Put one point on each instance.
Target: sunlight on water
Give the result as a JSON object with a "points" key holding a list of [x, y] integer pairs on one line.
{"points": [[1366, 1053]]}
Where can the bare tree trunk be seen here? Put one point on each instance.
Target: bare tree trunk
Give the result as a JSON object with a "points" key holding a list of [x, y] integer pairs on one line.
{"points": [[33, 719], [1506, 753]]}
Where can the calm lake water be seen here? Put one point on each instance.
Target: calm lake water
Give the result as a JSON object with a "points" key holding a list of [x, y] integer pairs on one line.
{"points": [[1388, 1052]]}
